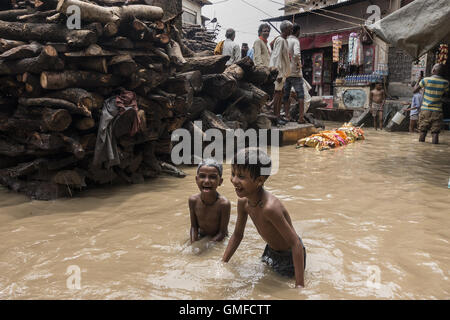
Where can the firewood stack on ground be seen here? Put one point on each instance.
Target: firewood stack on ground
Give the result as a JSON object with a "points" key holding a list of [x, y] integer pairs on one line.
{"points": [[97, 105], [199, 39]]}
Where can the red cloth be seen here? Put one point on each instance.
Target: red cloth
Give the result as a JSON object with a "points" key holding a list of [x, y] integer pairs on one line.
{"points": [[125, 100], [321, 41]]}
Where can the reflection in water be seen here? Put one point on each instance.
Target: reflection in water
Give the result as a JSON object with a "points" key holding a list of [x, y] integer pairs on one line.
{"points": [[373, 216]]}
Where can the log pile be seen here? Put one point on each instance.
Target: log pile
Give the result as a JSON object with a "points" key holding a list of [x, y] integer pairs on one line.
{"points": [[199, 39], [58, 85]]}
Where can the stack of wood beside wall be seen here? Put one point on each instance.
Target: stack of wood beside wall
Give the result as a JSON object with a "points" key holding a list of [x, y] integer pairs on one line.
{"points": [[199, 39], [54, 82]]}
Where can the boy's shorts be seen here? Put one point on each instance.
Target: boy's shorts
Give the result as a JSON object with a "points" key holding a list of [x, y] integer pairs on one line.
{"points": [[430, 120], [281, 261], [295, 82], [414, 117]]}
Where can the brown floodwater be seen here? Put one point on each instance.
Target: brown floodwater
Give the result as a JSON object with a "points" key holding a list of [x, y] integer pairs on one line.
{"points": [[374, 217]]}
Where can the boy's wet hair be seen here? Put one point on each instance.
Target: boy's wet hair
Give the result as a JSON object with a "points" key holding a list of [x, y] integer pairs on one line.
{"points": [[254, 160], [210, 162]]}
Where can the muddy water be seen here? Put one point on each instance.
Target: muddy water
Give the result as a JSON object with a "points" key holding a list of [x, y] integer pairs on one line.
{"points": [[374, 217]]}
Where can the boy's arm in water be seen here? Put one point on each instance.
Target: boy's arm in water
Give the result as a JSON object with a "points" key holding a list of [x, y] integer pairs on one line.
{"points": [[224, 220], [194, 223], [238, 233], [276, 217]]}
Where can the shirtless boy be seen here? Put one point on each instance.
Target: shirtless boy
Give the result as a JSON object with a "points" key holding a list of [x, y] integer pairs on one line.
{"points": [[210, 212], [377, 101], [284, 251]]}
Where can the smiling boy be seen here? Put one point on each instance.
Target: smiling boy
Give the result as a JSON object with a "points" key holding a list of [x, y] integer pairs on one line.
{"points": [[210, 212], [284, 251]]}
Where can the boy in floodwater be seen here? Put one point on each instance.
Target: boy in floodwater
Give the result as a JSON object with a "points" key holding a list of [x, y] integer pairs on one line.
{"points": [[284, 251], [210, 212], [377, 100]]}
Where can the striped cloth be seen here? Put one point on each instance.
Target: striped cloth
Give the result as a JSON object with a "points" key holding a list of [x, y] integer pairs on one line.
{"points": [[434, 88]]}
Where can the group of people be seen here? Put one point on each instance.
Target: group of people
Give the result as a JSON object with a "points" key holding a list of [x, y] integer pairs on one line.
{"points": [[210, 212], [283, 53], [426, 113]]}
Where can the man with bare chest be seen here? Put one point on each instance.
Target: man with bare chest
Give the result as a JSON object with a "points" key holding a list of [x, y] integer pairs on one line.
{"points": [[209, 211]]}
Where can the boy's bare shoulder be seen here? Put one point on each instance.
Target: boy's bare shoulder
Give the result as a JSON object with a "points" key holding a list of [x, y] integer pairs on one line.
{"points": [[224, 201], [194, 198], [273, 206]]}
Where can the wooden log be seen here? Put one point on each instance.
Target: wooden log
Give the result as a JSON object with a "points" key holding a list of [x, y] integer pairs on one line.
{"points": [[78, 96], [74, 178], [235, 71], [85, 124], [54, 18], [22, 169], [7, 162], [206, 65], [56, 120], [45, 4], [97, 64], [251, 93], [61, 47], [118, 43], [55, 103], [123, 65], [74, 147], [183, 83], [39, 190], [210, 121], [258, 76], [47, 60], [110, 29], [81, 79], [22, 52], [11, 15], [220, 86], [38, 16], [92, 12], [6, 44], [51, 119], [43, 32]]}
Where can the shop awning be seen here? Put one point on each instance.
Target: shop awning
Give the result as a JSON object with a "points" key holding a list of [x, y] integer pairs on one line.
{"points": [[417, 27], [323, 40]]}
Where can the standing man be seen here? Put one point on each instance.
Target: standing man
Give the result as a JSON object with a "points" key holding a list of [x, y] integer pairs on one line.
{"points": [[280, 60], [261, 49], [230, 48], [295, 78], [431, 114]]}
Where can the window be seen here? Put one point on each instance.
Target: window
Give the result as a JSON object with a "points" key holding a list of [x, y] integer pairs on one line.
{"points": [[189, 18]]}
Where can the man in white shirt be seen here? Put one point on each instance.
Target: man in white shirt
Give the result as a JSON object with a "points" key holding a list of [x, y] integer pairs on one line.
{"points": [[295, 78], [280, 60], [230, 48]]}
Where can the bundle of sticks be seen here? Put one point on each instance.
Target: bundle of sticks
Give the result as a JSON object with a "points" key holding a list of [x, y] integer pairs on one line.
{"points": [[57, 84]]}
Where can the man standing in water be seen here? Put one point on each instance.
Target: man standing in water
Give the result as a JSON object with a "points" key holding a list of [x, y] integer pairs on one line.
{"points": [[280, 60], [431, 114]]}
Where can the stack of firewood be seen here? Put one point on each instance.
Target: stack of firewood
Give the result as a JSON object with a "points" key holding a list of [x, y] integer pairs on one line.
{"points": [[199, 39], [55, 81]]}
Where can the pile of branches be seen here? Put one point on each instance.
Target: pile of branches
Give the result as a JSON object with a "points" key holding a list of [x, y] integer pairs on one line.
{"points": [[199, 39], [58, 84]]}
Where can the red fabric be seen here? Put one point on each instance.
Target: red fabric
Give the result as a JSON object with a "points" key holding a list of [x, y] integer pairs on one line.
{"points": [[321, 41], [125, 100], [265, 40]]}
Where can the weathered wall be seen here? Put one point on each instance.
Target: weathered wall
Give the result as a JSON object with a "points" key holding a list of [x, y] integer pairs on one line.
{"points": [[193, 8], [170, 7]]}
